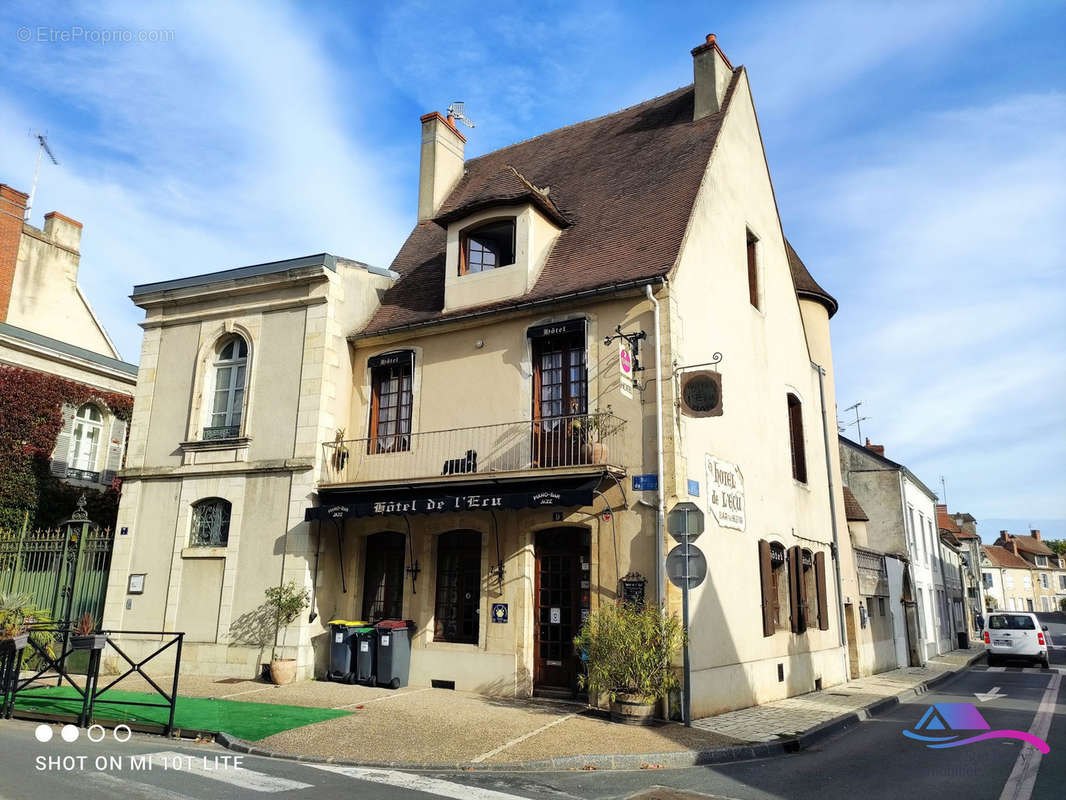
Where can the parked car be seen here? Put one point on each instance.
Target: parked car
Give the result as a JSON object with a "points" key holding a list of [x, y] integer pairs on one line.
{"points": [[1015, 635]]}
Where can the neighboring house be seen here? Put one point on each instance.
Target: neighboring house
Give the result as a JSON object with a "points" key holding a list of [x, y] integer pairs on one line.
{"points": [[880, 642], [459, 442], [951, 563], [1044, 563], [47, 326], [902, 512], [963, 529], [1007, 579]]}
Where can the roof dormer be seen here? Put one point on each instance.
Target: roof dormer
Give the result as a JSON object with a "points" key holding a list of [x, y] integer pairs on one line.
{"points": [[499, 235]]}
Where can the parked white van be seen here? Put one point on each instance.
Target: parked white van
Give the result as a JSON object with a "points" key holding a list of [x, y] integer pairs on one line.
{"points": [[1015, 635]]}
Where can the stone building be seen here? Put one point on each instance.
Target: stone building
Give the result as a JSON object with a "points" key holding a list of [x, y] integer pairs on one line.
{"points": [[48, 326], [1007, 578], [581, 331], [1044, 564]]}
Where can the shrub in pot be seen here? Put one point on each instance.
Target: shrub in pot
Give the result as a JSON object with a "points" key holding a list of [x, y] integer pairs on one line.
{"points": [[287, 601], [629, 649], [18, 618], [82, 636]]}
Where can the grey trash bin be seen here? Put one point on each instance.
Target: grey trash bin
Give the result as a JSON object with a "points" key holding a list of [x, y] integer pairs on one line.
{"points": [[341, 632], [393, 652], [364, 667]]}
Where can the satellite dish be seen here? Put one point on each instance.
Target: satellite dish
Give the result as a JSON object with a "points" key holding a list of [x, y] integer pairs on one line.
{"points": [[458, 111]]}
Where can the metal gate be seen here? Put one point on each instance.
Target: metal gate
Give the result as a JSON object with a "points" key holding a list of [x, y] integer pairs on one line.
{"points": [[64, 569]]}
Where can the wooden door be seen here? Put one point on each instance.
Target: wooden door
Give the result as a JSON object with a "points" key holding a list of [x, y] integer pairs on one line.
{"points": [[383, 577], [562, 595], [560, 396]]}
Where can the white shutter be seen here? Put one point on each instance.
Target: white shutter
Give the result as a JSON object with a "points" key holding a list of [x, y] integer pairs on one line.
{"points": [[115, 443], [62, 451]]}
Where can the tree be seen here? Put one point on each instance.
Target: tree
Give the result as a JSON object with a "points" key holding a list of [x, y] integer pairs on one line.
{"points": [[1057, 545]]}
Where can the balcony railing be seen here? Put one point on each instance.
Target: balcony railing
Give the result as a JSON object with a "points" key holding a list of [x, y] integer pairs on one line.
{"points": [[577, 440]]}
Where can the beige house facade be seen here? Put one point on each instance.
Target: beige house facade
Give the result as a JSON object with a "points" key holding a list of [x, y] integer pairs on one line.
{"points": [[486, 438], [48, 326]]}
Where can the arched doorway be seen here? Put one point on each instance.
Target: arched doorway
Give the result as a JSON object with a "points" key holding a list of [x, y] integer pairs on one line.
{"points": [[562, 593], [383, 576]]}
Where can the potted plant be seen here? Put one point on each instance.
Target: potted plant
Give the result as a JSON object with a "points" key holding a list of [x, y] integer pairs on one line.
{"points": [[13, 638], [287, 601], [592, 428], [16, 611], [629, 649], [82, 636]]}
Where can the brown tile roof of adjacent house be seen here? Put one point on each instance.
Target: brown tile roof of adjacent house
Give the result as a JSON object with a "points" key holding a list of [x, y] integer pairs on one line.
{"points": [[806, 286], [1029, 544], [852, 510], [622, 187], [945, 523], [1002, 557]]}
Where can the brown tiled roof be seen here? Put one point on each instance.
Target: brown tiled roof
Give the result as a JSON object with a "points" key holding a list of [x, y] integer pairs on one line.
{"points": [[1001, 557], [508, 186], [806, 286], [1029, 544], [852, 510], [625, 182], [946, 523]]}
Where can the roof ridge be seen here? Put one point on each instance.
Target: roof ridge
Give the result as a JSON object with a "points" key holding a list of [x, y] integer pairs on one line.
{"points": [[572, 125]]}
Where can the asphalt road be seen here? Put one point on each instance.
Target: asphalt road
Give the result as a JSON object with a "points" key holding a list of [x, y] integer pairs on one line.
{"points": [[869, 761]]}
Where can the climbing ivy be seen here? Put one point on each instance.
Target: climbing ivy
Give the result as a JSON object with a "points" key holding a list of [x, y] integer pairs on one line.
{"points": [[31, 417]]}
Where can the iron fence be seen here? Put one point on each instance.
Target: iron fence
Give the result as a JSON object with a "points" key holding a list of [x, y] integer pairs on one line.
{"points": [[568, 441]]}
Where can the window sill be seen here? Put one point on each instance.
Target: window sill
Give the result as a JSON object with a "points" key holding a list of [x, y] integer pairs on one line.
{"points": [[462, 647], [203, 552], [215, 444]]}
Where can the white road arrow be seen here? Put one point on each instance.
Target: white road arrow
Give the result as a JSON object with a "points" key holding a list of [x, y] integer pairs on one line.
{"points": [[990, 695]]}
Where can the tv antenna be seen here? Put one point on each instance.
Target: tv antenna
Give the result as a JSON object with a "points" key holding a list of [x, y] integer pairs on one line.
{"points": [[944, 489], [42, 148], [857, 422], [457, 110]]}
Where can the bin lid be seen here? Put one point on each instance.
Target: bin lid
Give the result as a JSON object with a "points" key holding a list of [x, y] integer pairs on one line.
{"points": [[365, 629], [348, 622], [395, 623]]}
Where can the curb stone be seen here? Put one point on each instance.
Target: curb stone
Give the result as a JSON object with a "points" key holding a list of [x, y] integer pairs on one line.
{"points": [[671, 760]]}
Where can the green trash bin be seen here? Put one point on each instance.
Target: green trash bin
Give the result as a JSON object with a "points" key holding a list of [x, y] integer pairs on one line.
{"points": [[364, 664]]}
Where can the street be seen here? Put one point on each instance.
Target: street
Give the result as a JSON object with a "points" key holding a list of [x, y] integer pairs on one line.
{"points": [[871, 760]]}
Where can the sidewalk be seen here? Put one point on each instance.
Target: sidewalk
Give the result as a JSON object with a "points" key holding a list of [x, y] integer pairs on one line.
{"points": [[795, 715], [422, 728]]}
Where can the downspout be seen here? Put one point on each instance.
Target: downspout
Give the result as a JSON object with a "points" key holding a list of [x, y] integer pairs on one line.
{"points": [[832, 505], [660, 510]]}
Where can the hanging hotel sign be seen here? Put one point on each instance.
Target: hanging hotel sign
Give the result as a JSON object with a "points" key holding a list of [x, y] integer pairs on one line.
{"points": [[725, 493], [484, 501], [701, 394], [625, 369]]}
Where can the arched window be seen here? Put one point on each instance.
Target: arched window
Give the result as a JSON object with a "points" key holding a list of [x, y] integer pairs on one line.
{"points": [[85, 438], [210, 523], [230, 368], [487, 246]]}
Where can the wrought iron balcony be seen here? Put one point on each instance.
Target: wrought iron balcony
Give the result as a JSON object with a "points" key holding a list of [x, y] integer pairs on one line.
{"points": [[577, 440]]}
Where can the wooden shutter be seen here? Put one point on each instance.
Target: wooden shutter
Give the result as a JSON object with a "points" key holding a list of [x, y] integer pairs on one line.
{"points": [[115, 446], [767, 581], [62, 451], [819, 582], [795, 584], [753, 271]]}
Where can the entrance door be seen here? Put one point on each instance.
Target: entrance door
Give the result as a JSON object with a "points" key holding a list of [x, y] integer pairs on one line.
{"points": [[853, 646], [560, 399], [383, 579], [562, 595]]}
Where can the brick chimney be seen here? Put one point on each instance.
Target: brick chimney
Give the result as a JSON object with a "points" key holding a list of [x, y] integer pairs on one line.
{"points": [[442, 159], [711, 73], [1035, 534], [941, 508], [875, 448], [12, 213]]}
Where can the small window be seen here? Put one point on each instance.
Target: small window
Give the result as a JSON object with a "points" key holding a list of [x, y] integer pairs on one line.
{"points": [[795, 431], [1062, 582], [1045, 582], [390, 403], [227, 407], [753, 271], [881, 606], [810, 588], [456, 617], [487, 247], [987, 577], [210, 523], [85, 441]]}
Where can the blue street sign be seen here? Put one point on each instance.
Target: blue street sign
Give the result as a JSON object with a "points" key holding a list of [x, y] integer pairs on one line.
{"points": [[693, 488], [645, 483]]}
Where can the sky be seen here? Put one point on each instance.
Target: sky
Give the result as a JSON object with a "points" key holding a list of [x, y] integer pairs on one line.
{"points": [[918, 152]]}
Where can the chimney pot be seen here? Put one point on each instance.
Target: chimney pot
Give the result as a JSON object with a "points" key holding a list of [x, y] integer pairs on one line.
{"points": [[1035, 533]]}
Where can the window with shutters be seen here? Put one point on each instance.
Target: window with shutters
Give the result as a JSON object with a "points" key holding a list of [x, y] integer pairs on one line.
{"points": [[810, 590], [391, 402], [210, 523], [85, 440], [230, 369], [753, 270], [457, 609], [795, 432], [779, 580]]}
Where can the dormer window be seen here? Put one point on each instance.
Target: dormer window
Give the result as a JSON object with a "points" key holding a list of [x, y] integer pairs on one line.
{"points": [[487, 246]]}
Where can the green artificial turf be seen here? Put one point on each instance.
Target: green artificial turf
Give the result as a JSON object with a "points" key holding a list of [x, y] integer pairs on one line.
{"points": [[251, 721]]}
